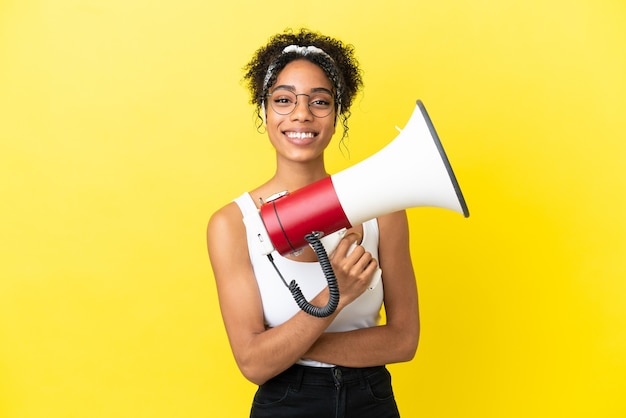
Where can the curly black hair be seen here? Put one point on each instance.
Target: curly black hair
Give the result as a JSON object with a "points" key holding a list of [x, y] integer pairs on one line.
{"points": [[338, 62]]}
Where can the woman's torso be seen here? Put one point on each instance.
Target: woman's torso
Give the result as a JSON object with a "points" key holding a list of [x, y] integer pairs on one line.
{"points": [[278, 303]]}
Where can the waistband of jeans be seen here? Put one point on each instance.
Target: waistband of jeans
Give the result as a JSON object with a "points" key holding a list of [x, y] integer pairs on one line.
{"points": [[327, 375]]}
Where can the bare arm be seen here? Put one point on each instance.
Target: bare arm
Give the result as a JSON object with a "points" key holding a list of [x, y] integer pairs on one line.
{"points": [[397, 340], [262, 353]]}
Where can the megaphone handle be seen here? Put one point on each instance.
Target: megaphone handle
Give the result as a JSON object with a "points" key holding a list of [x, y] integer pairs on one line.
{"points": [[333, 288]]}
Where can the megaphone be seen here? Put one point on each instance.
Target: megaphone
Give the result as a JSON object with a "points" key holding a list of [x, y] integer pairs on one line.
{"points": [[411, 171]]}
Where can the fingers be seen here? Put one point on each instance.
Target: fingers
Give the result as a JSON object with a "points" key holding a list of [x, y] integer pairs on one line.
{"points": [[365, 266], [355, 237], [347, 244], [354, 267], [352, 258]]}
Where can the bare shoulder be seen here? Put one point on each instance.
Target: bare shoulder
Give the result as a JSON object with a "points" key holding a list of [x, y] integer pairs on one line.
{"points": [[227, 217], [226, 234]]}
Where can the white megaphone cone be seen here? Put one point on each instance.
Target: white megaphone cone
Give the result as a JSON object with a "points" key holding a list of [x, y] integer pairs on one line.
{"points": [[412, 171]]}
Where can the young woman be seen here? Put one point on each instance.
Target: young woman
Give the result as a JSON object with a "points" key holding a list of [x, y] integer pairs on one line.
{"points": [[302, 84]]}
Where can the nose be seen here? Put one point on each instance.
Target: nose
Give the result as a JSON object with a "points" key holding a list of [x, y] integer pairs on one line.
{"points": [[301, 111]]}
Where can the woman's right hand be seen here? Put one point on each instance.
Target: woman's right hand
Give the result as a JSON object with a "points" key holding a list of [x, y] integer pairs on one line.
{"points": [[353, 266]]}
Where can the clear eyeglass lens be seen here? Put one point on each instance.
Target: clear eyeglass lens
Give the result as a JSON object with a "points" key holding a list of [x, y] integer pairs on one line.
{"points": [[284, 102]]}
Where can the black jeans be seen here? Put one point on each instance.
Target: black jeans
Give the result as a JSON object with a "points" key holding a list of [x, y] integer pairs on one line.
{"points": [[319, 392]]}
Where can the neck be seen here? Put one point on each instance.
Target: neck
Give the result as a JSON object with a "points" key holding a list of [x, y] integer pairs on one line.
{"points": [[292, 180], [292, 175]]}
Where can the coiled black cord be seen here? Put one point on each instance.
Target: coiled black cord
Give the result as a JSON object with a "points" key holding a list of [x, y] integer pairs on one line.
{"points": [[333, 289]]}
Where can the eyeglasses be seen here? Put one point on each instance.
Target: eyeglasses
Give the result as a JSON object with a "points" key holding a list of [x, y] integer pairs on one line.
{"points": [[284, 102]]}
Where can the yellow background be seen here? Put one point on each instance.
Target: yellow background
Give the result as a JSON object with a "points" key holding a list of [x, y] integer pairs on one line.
{"points": [[123, 126]]}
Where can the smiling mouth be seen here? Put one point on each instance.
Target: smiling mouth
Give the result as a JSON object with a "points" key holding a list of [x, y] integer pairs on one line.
{"points": [[300, 135]]}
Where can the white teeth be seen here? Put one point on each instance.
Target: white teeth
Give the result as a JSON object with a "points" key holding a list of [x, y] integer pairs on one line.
{"points": [[299, 135]]}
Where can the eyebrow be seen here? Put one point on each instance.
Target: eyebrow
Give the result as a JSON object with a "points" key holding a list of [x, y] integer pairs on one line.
{"points": [[293, 89]]}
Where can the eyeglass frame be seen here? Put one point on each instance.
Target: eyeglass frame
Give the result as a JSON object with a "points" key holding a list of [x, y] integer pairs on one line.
{"points": [[333, 105]]}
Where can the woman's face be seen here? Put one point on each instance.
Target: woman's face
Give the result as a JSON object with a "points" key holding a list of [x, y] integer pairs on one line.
{"points": [[300, 136]]}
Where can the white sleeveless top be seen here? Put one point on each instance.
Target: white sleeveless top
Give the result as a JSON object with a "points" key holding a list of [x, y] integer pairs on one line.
{"points": [[278, 303]]}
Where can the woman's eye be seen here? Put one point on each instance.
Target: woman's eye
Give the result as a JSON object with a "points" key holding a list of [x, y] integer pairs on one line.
{"points": [[320, 103], [283, 100]]}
